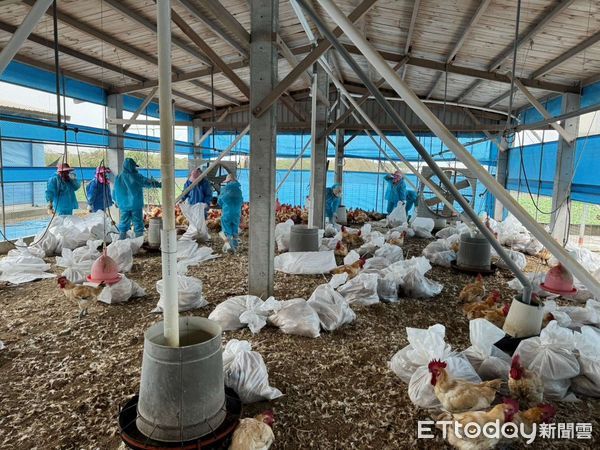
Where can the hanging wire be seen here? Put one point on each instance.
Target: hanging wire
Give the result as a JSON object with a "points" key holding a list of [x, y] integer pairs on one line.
{"points": [[514, 66]]}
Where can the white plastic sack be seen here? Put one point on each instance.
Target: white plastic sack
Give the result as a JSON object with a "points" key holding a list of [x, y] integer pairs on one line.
{"points": [[435, 247], [391, 252], [512, 232], [443, 259], [399, 270], [351, 258], [22, 267], [376, 263], [551, 356], [587, 344], [246, 373], [47, 242], [121, 252], [282, 234], [189, 253], [297, 317], [446, 232], [305, 263], [518, 258], [197, 228], [362, 289], [338, 279], [423, 227], [387, 290], [332, 308], [121, 291], [536, 279], [420, 389], [228, 313], [495, 362], [398, 215], [416, 285], [189, 294]]}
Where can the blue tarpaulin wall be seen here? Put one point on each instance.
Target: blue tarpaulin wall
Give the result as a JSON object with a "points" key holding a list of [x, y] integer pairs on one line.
{"points": [[535, 164]]}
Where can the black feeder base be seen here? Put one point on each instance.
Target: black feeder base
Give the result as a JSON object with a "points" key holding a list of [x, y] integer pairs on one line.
{"points": [[218, 439], [483, 272]]}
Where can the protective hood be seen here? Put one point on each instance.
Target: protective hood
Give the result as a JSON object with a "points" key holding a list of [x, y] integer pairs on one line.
{"points": [[130, 166]]}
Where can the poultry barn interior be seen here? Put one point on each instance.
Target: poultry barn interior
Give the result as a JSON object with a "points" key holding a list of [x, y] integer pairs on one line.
{"points": [[294, 224]]}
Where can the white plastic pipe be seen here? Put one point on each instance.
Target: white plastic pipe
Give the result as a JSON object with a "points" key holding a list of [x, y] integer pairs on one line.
{"points": [[213, 163], [212, 129], [438, 128], [22, 33], [167, 170]]}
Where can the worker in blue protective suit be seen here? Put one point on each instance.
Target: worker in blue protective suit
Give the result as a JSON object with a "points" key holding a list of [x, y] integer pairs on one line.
{"points": [[98, 191], [333, 200], [230, 201], [396, 192], [129, 197], [201, 193], [60, 191]]}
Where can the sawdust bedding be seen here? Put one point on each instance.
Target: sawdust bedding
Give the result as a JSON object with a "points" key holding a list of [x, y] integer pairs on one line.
{"points": [[62, 379]]}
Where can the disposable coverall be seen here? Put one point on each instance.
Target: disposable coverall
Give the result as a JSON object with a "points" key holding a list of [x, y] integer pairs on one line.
{"points": [[397, 192], [231, 200], [129, 197], [60, 191], [201, 193], [98, 191], [332, 201]]}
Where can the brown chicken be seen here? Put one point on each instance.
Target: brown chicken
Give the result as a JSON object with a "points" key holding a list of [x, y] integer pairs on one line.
{"points": [[479, 309], [341, 249], [488, 225], [543, 413], [254, 433], [352, 240], [399, 241], [460, 395], [473, 292], [455, 247], [351, 269], [545, 256], [83, 295], [523, 384], [500, 414], [497, 315]]}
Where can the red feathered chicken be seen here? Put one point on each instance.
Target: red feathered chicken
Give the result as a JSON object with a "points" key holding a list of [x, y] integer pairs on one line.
{"points": [[525, 385]]}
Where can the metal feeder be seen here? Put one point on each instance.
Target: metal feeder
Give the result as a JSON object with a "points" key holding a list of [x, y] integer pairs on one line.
{"points": [[154, 229], [304, 239], [219, 438], [341, 215], [474, 254]]}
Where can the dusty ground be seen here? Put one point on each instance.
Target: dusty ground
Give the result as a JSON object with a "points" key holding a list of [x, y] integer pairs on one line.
{"points": [[62, 379]]}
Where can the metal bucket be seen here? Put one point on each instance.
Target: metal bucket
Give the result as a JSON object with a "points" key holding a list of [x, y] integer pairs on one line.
{"points": [[304, 239], [523, 320], [439, 224], [475, 253], [154, 227], [182, 393], [341, 215]]}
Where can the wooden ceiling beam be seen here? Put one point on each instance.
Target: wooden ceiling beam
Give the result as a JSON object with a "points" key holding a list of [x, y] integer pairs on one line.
{"points": [[411, 32]]}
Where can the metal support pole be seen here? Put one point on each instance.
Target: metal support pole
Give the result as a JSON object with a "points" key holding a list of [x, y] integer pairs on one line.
{"points": [[22, 33], [584, 217], [142, 106], [167, 170], [339, 150], [116, 144], [318, 156], [264, 21], [563, 176], [456, 147], [338, 17], [501, 176]]}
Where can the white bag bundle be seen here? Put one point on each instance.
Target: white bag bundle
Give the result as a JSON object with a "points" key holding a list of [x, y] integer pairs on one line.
{"points": [[398, 216], [435, 247], [189, 253], [305, 263], [561, 317], [197, 229], [446, 232], [512, 232], [416, 285], [333, 310], [78, 263], [401, 269], [423, 227], [297, 317], [532, 247], [351, 258], [338, 279], [536, 279], [376, 263], [47, 242], [587, 343], [391, 252], [122, 253], [362, 289], [443, 259], [423, 346], [588, 315], [189, 294], [329, 231], [488, 361], [518, 258], [228, 313], [551, 355], [387, 290], [282, 234], [246, 373], [22, 266], [121, 291]]}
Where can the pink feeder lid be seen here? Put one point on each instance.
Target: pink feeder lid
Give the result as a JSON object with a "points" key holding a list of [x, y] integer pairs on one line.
{"points": [[106, 270], [559, 281]]}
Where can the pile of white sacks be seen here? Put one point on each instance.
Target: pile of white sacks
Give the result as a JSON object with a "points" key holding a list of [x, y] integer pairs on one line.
{"points": [[568, 361]]}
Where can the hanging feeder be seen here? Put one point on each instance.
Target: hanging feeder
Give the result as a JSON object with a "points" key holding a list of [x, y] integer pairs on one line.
{"points": [[104, 270], [341, 215], [524, 320], [559, 281], [474, 255]]}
